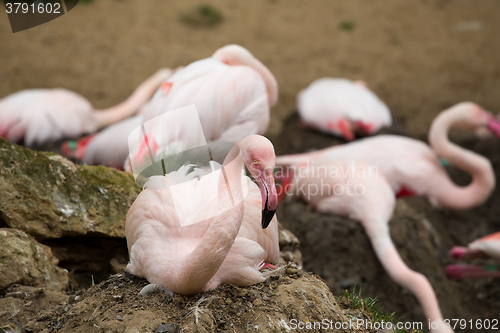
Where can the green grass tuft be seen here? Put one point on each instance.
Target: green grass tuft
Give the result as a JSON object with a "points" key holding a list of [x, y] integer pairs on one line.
{"points": [[371, 309], [203, 15], [347, 25]]}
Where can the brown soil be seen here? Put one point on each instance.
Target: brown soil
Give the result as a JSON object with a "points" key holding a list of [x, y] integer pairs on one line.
{"points": [[116, 306]]}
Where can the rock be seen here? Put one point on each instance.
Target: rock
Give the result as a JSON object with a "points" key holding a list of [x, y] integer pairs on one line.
{"points": [[48, 196], [25, 261], [305, 298], [289, 247]]}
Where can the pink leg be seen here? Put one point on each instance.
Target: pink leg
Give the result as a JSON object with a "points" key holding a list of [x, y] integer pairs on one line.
{"points": [[266, 265]]}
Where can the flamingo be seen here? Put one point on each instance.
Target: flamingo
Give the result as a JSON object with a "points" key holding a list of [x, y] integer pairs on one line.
{"points": [[413, 168], [43, 115], [487, 246], [342, 107], [189, 232], [232, 91], [355, 190]]}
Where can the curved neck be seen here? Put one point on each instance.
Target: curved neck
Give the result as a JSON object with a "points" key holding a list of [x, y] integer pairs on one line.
{"points": [[132, 104], [202, 264], [483, 179], [378, 232], [269, 80]]}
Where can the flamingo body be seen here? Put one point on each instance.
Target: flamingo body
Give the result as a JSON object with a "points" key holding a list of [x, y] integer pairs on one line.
{"points": [[342, 107], [412, 166], [43, 115], [187, 236], [350, 189], [231, 100], [232, 91]]}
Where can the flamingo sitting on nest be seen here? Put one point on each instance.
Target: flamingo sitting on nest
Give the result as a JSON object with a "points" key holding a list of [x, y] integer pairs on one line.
{"points": [[190, 232], [487, 246], [44, 115], [342, 107], [413, 168]]}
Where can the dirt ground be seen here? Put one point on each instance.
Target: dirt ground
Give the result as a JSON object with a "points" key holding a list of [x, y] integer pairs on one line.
{"points": [[418, 56]]}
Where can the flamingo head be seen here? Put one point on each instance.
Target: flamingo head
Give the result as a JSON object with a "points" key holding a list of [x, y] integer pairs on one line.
{"points": [[472, 116], [235, 55], [260, 159]]}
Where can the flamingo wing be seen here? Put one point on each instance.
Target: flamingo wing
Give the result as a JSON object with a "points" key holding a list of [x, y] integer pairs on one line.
{"points": [[40, 115]]}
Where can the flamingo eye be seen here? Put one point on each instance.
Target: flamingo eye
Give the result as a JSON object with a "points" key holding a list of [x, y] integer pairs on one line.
{"points": [[255, 162]]}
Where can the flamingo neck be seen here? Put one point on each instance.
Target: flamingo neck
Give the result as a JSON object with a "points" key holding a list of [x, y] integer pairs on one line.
{"points": [[205, 260], [269, 80], [377, 230], [133, 103], [479, 167]]}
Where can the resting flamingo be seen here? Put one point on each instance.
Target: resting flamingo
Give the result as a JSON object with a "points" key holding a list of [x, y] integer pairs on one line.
{"points": [[38, 116], [342, 107], [356, 190], [190, 232], [232, 91], [413, 168], [485, 247]]}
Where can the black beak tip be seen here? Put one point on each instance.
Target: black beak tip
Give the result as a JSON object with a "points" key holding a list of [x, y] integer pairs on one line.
{"points": [[267, 216]]}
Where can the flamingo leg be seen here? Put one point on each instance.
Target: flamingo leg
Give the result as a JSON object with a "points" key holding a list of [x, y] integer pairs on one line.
{"points": [[152, 288]]}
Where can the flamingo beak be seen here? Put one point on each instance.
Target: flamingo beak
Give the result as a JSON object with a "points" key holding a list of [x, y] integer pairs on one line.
{"points": [[493, 125], [269, 199]]}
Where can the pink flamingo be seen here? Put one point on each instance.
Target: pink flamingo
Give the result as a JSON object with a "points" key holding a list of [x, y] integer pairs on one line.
{"points": [[44, 115], [342, 107], [357, 191], [232, 91], [413, 168], [487, 246], [190, 232]]}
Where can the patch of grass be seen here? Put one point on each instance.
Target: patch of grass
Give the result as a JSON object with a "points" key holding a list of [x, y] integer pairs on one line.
{"points": [[347, 25], [203, 15], [371, 309]]}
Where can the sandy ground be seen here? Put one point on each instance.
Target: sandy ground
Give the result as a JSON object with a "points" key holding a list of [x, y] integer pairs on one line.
{"points": [[418, 56]]}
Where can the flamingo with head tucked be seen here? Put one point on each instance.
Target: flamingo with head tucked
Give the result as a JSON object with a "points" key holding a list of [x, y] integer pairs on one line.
{"points": [[342, 107], [484, 247], [190, 232], [232, 91], [44, 115], [413, 168]]}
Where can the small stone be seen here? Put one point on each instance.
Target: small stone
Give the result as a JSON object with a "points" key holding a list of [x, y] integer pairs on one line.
{"points": [[120, 318], [257, 302], [166, 328]]}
